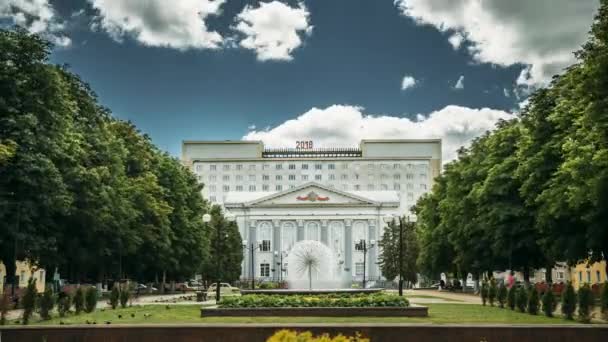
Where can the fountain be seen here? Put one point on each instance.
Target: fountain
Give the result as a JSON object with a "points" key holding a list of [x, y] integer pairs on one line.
{"points": [[311, 264]]}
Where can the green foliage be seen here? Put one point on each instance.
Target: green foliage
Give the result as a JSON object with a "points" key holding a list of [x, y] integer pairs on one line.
{"points": [[64, 303], [79, 300], [4, 306], [492, 291], [29, 301], [511, 296], [114, 296], [90, 299], [604, 300], [294, 336], [124, 298], [502, 295], [484, 292], [326, 300], [389, 259], [549, 303], [533, 301], [46, 303], [228, 250], [568, 302], [585, 303], [521, 299]]}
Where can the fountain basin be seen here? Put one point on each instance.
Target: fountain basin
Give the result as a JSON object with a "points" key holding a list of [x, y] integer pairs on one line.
{"points": [[308, 292]]}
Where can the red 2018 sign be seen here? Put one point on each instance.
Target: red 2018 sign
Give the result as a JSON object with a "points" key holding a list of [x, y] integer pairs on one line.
{"points": [[304, 145]]}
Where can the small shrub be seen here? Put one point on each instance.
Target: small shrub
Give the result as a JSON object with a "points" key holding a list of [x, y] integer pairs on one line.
{"points": [[330, 300], [90, 299], [5, 302], [501, 296], [549, 302], [114, 297], [585, 303], [46, 304], [124, 298], [492, 290], [604, 300], [511, 297], [29, 301], [484, 293], [533, 301], [294, 336], [568, 302], [64, 302], [521, 299], [79, 300]]}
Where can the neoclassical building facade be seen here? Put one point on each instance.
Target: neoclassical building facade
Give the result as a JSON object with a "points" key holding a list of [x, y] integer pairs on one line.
{"points": [[337, 196]]}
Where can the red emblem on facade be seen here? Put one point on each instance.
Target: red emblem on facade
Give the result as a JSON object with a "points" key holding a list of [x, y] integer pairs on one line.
{"points": [[312, 197]]}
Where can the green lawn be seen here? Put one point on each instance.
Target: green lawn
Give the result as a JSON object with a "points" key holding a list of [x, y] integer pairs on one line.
{"points": [[434, 297], [438, 314]]}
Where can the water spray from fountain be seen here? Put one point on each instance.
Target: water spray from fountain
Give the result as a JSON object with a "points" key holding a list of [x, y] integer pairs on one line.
{"points": [[313, 262]]}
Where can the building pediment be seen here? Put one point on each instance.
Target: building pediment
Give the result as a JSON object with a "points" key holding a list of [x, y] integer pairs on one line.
{"points": [[312, 194]]}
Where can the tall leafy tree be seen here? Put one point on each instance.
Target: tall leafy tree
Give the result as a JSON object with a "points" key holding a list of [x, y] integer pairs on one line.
{"points": [[225, 246], [390, 244]]}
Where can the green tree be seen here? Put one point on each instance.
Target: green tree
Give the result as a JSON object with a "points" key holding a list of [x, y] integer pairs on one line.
{"points": [[389, 258], [46, 304], [79, 300], [228, 251], [568, 302], [549, 303], [114, 296], [533, 300], [521, 299], [585, 303], [29, 301], [511, 295], [502, 295]]}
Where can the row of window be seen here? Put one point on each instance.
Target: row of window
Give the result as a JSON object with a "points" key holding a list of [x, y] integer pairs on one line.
{"points": [[316, 166], [279, 187], [265, 269], [253, 178], [598, 275]]}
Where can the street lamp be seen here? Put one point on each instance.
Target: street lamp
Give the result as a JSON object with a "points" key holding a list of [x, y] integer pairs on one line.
{"points": [[390, 219], [206, 219], [280, 264], [252, 249], [364, 246]]}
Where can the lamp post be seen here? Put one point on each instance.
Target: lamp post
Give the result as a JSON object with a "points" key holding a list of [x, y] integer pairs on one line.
{"points": [[280, 264], [390, 219], [364, 246], [252, 249], [218, 246]]}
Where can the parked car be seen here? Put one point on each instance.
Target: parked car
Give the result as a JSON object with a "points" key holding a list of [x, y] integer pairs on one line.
{"points": [[225, 290], [144, 288]]}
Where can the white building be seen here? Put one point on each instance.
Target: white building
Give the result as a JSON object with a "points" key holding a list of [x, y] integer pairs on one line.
{"points": [[338, 196]]}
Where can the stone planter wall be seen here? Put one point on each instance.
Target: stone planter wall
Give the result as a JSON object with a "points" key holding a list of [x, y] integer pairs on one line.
{"points": [[411, 311]]}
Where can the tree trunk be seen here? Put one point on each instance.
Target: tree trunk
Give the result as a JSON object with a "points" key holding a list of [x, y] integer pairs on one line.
{"points": [[549, 273], [476, 282], [162, 285], [527, 275]]}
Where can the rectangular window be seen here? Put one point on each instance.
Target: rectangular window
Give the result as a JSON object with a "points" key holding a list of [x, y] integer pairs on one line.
{"points": [[252, 167], [239, 178], [423, 175], [397, 186], [212, 167], [199, 178], [304, 177], [304, 166], [279, 166], [264, 270], [318, 177], [279, 177], [212, 198], [226, 188], [239, 188], [422, 186], [599, 276], [226, 178], [279, 187], [560, 275], [410, 186], [332, 177], [265, 247], [251, 188], [212, 178], [370, 166], [265, 177], [239, 166], [252, 178], [396, 166], [292, 166], [318, 166], [580, 276], [265, 187], [331, 166], [589, 276], [370, 187], [383, 187], [344, 177], [409, 176], [291, 186], [396, 176], [292, 177], [383, 176], [226, 167], [199, 167], [359, 268], [212, 188], [265, 166], [410, 196], [357, 187], [344, 166]]}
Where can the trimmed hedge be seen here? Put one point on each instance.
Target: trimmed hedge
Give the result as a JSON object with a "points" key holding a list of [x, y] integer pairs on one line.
{"points": [[306, 301]]}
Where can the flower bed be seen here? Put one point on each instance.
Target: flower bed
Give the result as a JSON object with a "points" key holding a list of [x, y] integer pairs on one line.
{"points": [[335, 300]]}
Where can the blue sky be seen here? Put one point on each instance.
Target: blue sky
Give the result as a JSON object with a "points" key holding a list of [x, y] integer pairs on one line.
{"points": [[330, 71]]}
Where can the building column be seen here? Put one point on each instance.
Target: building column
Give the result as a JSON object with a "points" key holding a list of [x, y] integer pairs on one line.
{"points": [[372, 253], [348, 246], [300, 224], [252, 240], [324, 234], [276, 246]]}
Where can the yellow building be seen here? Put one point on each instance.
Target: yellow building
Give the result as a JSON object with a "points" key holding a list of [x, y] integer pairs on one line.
{"points": [[591, 274], [24, 272]]}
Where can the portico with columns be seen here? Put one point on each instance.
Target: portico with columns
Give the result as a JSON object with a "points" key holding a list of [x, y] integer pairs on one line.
{"points": [[274, 222]]}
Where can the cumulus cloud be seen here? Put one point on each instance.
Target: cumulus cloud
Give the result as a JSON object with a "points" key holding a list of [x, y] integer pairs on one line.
{"points": [[408, 82], [273, 30], [345, 126], [175, 24], [37, 16], [541, 34], [460, 83]]}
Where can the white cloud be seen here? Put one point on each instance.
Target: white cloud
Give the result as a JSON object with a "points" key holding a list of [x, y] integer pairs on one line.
{"points": [[37, 16], [456, 40], [273, 30], [408, 82], [176, 24], [506, 92], [460, 83], [345, 126], [541, 34]]}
